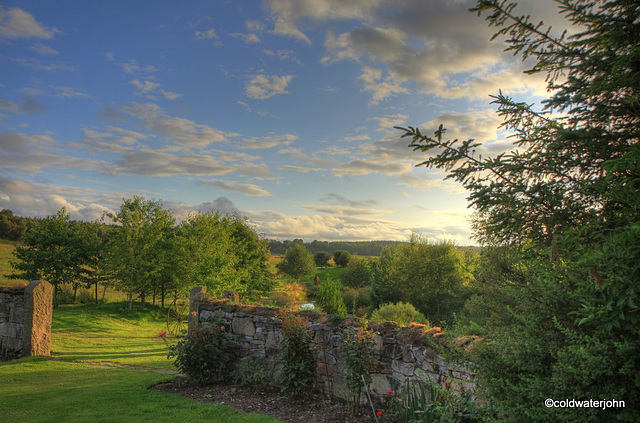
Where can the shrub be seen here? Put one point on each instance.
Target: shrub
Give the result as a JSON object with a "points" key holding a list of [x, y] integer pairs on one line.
{"points": [[357, 352], [290, 296], [254, 371], [296, 357], [206, 354], [357, 298], [401, 313], [330, 298], [341, 258], [322, 259], [357, 273]]}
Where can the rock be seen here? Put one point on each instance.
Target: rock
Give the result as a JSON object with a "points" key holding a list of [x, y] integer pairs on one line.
{"points": [[243, 326]]}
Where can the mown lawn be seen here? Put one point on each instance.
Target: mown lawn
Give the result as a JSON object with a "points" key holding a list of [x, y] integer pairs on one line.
{"points": [[104, 359]]}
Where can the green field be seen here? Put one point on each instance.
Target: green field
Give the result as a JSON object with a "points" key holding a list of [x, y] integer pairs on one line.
{"points": [[103, 360], [6, 247]]}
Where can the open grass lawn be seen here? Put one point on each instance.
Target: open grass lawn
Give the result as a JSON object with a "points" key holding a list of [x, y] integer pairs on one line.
{"points": [[335, 273], [45, 390], [104, 358]]}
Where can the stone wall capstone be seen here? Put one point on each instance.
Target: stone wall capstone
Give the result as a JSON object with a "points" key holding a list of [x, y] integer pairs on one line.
{"points": [[404, 355]]}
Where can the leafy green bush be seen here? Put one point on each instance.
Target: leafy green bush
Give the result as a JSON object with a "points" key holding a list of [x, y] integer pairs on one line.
{"points": [[401, 313], [296, 357], [357, 298], [358, 354], [435, 278], [341, 258], [254, 371], [429, 403], [206, 354], [330, 298], [357, 273]]}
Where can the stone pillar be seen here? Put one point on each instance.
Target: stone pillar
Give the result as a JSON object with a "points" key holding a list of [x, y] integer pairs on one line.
{"points": [[194, 305], [37, 319]]}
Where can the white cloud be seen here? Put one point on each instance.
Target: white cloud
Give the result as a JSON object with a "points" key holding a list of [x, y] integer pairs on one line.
{"points": [[145, 86], [132, 67], [42, 66], [328, 226], [151, 162], [69, 92], [437, 44], [17, 23], [286, 13], [44, 50], [149, 89], [386, 123], [209, 34], [26, 198], [371, 165], [181, 131], [299, 168], [357, 138], [379, 87], [254, 26], [246, 189], [269, 141], [266, 86], [312, 159], [247, 38], [335, 151]]}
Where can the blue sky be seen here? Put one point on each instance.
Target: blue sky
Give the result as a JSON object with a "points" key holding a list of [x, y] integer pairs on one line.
{"points": [[282, 110]]}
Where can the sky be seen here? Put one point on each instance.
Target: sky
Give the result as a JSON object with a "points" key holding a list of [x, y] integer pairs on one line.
{"points": [[280, 110]]}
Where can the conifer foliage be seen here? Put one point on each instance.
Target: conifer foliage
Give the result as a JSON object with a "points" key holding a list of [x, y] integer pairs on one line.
{"points": [[566, 199]]}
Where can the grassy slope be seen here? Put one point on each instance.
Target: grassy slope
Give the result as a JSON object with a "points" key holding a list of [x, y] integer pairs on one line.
{"points": [[100, 371], [6, 248]]}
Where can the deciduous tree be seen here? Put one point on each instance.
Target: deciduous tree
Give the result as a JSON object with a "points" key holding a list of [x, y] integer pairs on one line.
{"points": [[298, 262]]}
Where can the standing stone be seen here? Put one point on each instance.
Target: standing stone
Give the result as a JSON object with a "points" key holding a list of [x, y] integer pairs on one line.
{"points": [[37, 319]]}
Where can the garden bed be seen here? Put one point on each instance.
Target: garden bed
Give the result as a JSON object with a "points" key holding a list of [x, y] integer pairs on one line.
{"points": [[309, 409]]}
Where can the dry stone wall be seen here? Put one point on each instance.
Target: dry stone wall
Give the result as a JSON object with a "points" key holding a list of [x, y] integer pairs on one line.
{"points": [[403, 355], [25, 320]]}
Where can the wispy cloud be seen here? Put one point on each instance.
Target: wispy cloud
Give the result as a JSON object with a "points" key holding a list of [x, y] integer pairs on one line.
{"points": [[267, 86], [247, 38], [36, 64], [44, 50], [246, 189], [69, 92]]}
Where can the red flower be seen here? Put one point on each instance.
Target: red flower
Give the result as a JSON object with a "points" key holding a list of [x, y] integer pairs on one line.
{"points": [[389, 391], [222, 327], [379, 413], [193, 312]]}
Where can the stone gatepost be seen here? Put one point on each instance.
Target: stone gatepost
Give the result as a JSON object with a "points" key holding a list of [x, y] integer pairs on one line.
{"points": [[194, 305], [37, 319]]}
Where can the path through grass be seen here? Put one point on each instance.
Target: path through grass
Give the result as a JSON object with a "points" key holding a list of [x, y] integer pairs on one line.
{"points": [[104, 358]]}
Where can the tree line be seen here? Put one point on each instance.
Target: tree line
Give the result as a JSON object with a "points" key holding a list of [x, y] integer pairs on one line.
{"points": [[361, 248], [141, 251], [12, 227]]}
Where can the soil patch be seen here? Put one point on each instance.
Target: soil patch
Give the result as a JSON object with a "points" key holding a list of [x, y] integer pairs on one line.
{"points": [[310, 409]]}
